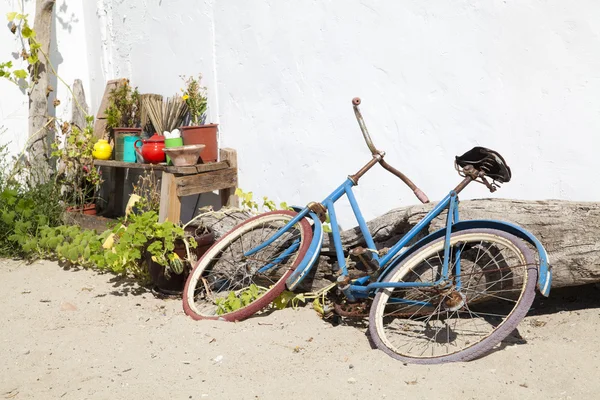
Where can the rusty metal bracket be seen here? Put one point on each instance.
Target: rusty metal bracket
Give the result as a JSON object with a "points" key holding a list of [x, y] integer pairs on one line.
{"points": [[318, 209]]}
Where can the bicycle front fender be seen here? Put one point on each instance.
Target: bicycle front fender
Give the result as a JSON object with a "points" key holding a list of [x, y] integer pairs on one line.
{"points": [[544, 269], [312, 254]]}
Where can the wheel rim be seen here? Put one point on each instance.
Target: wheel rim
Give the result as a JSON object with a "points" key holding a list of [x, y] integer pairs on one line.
{"points": [[228, 271], [455, 318]]}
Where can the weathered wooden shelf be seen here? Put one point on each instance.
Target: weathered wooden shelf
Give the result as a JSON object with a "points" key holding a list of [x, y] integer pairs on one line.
{"points": [[183, 181], [193, 169]]}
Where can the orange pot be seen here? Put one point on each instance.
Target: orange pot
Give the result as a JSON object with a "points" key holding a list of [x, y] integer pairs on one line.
{"points": [[203, 134]]}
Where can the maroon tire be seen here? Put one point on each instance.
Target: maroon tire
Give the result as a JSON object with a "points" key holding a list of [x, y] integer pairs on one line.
{"points": [[224, 269]]}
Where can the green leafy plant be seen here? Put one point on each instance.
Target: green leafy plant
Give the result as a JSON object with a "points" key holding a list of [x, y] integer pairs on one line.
{"points": [[142, 232], [124, 107], [247, 200], [147, 189], [25, 208], [194, 96], [77, 175], [241, 298], [18, 23]]}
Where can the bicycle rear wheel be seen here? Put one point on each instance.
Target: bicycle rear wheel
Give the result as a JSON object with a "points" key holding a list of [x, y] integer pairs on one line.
{"points": [[469, 315], [227, 284]]}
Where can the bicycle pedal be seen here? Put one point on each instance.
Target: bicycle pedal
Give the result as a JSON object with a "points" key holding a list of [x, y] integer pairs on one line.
{"points": [[365, 257]]}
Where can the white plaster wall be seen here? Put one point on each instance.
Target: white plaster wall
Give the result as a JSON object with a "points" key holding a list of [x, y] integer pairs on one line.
{"points": [[155, 43], [70, 53], [13, 101], [436, 78]]}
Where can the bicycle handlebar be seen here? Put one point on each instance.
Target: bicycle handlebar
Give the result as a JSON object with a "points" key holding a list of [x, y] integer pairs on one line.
{"points": [[418, 192], [356, 102]]}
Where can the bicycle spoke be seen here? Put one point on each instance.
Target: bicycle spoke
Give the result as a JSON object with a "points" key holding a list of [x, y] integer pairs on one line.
{"points": [[491, 274]]}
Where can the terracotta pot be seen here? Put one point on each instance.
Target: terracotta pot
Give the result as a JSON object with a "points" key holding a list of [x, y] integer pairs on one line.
{"points": [[203, 134], [88, 209], [152, 149], [183, 156], [173, 285]]}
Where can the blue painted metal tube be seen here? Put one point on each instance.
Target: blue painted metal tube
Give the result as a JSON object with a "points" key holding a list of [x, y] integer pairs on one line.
{"points": [[283, 255], [378, 285], [455, 213], [415, 230], [337, 241], [339, 192], [278, 234], [449, 219], [361, 221]]}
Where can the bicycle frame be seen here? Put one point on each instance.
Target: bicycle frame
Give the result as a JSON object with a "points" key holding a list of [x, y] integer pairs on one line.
{"points": [[361, 288]]}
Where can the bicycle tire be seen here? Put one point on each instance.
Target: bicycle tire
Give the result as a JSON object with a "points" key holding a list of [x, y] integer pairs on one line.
{"points": [[208, 263], [411, 265]]}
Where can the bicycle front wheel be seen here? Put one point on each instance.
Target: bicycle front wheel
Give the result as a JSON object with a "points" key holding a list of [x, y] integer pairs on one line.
{"points": [[464, 317], [228, 283]]}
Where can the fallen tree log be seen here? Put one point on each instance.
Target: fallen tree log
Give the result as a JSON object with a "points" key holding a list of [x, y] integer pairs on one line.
{"points": [[568, 230]]}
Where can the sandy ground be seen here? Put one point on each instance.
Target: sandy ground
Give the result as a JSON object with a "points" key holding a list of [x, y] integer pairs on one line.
{"points": [[68, 334]]}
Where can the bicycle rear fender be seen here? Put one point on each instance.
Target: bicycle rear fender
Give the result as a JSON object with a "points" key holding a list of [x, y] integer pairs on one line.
{"points": [[544, 269], [312, 254]]}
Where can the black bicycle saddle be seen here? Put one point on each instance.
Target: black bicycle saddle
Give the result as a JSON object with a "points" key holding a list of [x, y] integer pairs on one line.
{"points": [[488, 161]]}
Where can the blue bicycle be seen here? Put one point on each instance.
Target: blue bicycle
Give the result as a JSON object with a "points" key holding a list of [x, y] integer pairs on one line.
{"points": [[452, 296]]}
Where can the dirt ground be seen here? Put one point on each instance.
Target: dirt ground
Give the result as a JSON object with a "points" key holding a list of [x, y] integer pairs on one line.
{"points": [[69, 334]]}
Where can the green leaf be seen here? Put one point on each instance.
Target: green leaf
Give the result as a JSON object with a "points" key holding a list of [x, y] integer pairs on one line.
{"points": [[8, 217], [11, 16], [283, 299], [20, 73], [32, 59], [27, 32]]}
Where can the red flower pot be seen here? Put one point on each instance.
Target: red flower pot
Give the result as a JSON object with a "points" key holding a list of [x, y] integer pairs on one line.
{"points": [[203, 134]]}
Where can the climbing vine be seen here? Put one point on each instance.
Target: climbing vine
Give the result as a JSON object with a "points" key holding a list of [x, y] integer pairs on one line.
{"points": [[18, 24]]}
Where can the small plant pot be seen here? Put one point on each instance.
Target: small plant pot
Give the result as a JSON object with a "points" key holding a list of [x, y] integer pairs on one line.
{"points": [[174, 283], [203, 134], [172, 142], [88, 209]]}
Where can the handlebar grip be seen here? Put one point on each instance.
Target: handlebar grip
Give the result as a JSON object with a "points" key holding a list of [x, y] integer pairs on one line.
{"points": [[356, 101], [421, 196]]}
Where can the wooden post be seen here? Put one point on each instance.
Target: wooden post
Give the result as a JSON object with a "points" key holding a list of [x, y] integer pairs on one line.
{"points": [[39, 134], [115, 202], [100, 124], [170, 203], [228, 197], [79, 108]]}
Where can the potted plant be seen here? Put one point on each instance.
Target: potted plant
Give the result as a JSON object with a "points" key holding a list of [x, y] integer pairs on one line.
{"points": [[169, 263], [197, 132], [123, 116], [76, 173]]}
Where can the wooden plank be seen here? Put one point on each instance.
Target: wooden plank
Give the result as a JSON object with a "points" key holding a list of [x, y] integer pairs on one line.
{"points": [[122, 164], [115, 202], [110, 86], [199, 168], [228, 197], [202, 183], [212, 166], [170, 203], [79, 107], [100, 123]]}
